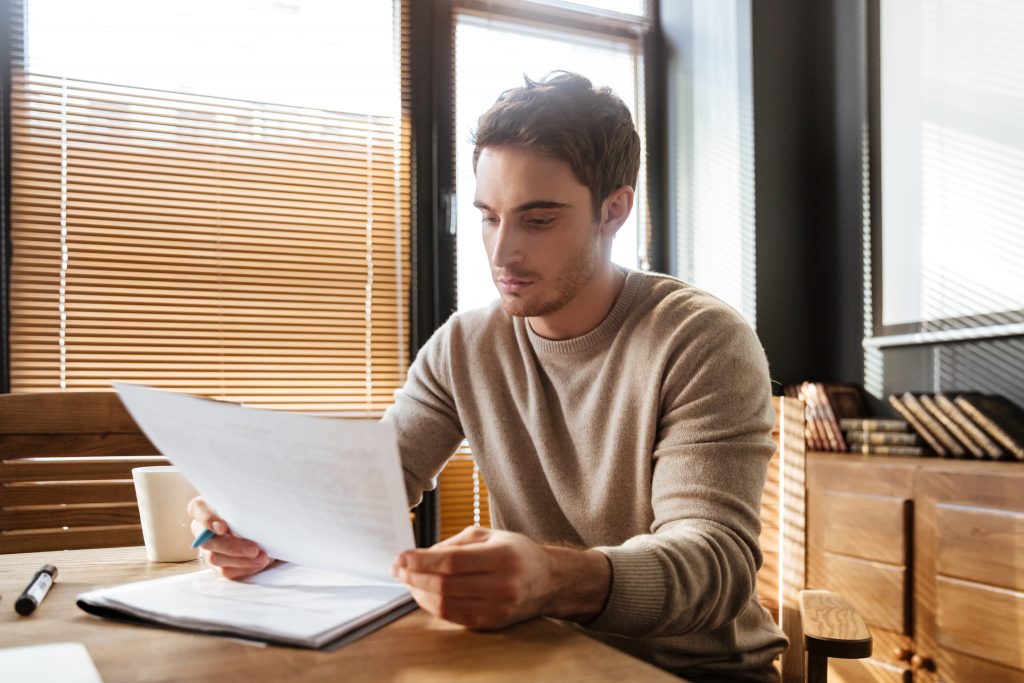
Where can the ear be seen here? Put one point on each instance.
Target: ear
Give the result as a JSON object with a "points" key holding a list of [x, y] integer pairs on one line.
{"points": [[615, 210]]}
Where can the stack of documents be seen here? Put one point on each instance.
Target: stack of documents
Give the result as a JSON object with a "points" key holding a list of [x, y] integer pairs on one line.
{"points": [[286, 604], [326, 496]]}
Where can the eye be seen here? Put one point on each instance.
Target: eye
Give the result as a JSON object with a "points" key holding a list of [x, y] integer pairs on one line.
{"points": [[489, 219], [539, 222]]}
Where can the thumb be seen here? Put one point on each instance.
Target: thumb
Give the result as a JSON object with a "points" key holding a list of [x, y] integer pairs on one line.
{"points": [[469, 535]]}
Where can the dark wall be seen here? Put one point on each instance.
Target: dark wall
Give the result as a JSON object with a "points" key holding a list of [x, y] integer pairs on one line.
{"points": [[793, 246], [792, 277]]}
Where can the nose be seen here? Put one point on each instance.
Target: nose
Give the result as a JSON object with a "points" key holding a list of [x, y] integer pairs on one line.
{"points": [[503, 245]]}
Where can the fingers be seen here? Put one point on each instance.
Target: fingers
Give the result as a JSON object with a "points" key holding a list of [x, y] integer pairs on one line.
{"points": [[230, 556], [228, 544], [223, 561], [466, 611], [235, 573], [478, 578], [471, 534], [452, 559], [235, 567], [199, 510], [479, 586]]}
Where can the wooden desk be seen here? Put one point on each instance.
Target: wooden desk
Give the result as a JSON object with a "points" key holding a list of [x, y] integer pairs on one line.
{"points": [[417, 647]]}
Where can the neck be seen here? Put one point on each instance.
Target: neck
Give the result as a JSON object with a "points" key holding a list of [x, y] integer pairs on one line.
{"points": [[587, 309]]}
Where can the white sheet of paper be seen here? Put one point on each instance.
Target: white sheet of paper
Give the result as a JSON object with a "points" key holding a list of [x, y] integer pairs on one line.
{"points": [[65, 662], [317, 491]]}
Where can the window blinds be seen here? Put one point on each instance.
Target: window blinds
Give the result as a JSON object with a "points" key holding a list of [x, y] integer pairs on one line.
{"points": [[463, 495], [242, 250]]}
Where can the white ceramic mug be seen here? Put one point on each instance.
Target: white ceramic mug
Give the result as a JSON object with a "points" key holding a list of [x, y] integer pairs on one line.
{"points": [[163, 494]]}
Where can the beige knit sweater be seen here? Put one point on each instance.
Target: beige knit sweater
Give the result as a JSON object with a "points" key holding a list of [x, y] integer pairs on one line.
{"points": [[647, 438]]}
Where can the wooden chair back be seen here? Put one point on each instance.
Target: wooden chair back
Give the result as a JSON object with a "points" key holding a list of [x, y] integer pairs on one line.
{"points": [[819, 624], [65, 471], [781, 577]]}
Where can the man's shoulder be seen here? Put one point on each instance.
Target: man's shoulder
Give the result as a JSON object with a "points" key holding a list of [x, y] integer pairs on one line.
{"points": [[675, 308], [699, 335], [472, 326]]}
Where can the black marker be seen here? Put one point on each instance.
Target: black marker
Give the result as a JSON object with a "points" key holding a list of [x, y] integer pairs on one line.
{"points": [[36, 590]]}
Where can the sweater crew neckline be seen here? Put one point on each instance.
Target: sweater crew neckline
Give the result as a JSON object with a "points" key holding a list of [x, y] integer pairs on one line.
{"points": [[603, 332]]}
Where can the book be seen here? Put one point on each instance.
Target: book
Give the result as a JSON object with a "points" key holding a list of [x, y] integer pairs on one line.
{"points": [[1002, 419], [897, 403], [285, 604], [813, 437], [825, 404], [873, 424], [952, 427], [847, 401], [950, 444], [896, 438], [886, 449], [841, 401], [991, 448], [827, 419]]}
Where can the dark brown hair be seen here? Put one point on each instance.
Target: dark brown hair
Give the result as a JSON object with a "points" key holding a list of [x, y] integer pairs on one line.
{"points": [[565, 117]]}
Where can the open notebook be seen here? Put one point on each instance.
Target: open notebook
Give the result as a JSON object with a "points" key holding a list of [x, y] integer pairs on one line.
{"points": [[286, 604]]}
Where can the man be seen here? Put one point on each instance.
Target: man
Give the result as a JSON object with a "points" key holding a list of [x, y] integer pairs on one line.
{"points": [[621, 419]]}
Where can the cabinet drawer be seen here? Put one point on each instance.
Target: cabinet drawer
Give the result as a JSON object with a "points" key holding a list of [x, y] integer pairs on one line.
{"points": [[981, 544], [867, 671], [878, 591], [866, 526], [979, 620]]}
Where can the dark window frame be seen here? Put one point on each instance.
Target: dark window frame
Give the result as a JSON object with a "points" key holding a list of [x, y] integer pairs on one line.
{"points": [[5, 192]]}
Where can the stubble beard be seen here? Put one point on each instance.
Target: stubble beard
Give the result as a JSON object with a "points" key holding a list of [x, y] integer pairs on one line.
{"points": [[566, 286]]}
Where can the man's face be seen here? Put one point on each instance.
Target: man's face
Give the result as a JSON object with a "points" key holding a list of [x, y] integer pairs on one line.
{"points": [[538, 227]]}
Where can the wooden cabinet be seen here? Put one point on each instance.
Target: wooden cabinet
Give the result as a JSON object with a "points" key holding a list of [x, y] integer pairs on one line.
{"points": [[970, 574], [931, 553], [859, 545]]}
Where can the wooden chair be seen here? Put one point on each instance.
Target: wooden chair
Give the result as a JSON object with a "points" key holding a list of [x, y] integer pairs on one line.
{"points": [[819, 624], [65, 472], [831, 628]]}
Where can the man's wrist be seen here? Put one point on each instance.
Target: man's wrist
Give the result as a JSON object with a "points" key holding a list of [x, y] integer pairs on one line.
{"points": [[581, 582]]}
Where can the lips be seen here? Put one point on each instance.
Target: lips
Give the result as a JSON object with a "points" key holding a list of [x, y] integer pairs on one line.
{"points": [[513, 285]]}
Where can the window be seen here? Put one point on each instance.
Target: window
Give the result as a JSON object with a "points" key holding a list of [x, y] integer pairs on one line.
{"points": [[714, 151], [495, 46], [948, 147], [492, 54], [211, 197]]}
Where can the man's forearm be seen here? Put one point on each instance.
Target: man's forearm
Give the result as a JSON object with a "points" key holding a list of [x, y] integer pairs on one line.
{"points": [[581, 581]]}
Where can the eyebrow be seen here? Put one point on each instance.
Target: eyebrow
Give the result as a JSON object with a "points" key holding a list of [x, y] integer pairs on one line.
{"points": [[528, 206]]}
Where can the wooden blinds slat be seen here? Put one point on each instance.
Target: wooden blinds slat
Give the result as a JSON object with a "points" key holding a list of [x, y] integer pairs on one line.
{"points": [[463, 495], [242, 250]]}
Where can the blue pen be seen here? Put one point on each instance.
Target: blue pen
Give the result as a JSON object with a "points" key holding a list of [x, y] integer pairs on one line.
{"points": [[202, 538]]}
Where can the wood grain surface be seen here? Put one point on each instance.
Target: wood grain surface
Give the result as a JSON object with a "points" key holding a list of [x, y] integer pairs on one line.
{"points": [[416, 647], [832, 627]]}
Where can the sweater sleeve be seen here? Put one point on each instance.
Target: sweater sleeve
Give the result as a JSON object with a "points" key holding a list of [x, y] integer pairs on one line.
{"points": [[425, 418], [696, 570]]}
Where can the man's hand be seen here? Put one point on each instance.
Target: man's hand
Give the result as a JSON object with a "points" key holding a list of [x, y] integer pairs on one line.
{"points": [[230, 556], [485, 579]]}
